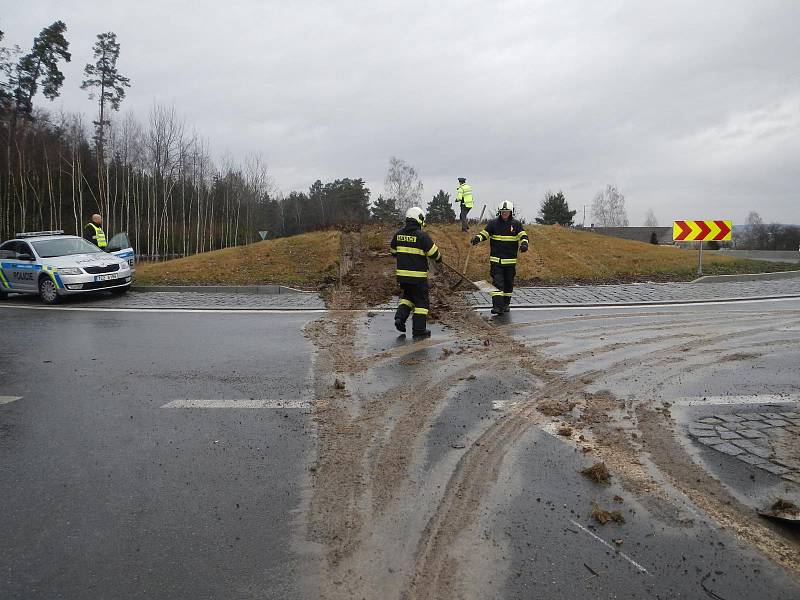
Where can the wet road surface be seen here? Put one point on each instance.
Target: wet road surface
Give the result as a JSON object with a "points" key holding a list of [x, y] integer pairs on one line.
{"points": [[400, 470], [108, 495]]}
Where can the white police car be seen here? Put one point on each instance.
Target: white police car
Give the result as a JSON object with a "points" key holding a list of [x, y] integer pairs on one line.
{"points": [[52, 265]]}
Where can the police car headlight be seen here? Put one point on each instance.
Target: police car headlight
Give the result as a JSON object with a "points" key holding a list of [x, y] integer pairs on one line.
{"points": [[70, 271]]}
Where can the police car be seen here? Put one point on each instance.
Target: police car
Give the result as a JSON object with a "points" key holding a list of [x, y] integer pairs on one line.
{"points": [[53, 265]]}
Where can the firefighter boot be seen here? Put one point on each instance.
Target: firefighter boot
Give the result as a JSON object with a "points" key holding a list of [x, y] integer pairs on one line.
{"points": [[419, 330], [497, 304], [400, 317], [506, 303]]}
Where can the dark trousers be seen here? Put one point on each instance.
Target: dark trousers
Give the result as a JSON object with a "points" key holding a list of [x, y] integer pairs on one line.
{"points": [[463, 217], [503, 280], [414, 299]]}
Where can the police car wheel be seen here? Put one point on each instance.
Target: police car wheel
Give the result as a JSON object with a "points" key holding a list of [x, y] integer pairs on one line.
{"points": [[3, 295], [48, 292]]}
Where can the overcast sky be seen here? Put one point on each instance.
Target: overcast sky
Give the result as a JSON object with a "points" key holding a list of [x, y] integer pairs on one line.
{"points": [[691, 108]]}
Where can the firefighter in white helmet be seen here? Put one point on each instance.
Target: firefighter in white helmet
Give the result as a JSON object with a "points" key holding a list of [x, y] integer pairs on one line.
{"points": [[506, 237], [413, 247]]}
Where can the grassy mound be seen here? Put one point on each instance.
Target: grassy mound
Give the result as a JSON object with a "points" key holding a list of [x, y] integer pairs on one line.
{"points": [[557, 256], [306, 261]]}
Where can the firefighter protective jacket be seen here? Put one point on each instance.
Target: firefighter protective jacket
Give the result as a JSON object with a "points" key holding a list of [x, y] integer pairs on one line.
{"points": [[505, 238], [464, 194], [413, 247]]}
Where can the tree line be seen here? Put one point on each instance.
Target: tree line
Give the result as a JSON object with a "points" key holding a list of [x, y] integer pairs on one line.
{"points": [[155, 179]]}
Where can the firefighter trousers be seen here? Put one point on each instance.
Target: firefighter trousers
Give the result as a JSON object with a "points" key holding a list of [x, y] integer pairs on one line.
{"points": [[503, 279], [414, 299]]}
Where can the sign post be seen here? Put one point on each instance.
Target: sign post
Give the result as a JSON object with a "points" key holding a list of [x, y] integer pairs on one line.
{"points": [[701, 231]]}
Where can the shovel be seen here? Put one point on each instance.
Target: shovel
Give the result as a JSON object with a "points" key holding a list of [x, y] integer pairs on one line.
{"points": [[483, 286]]}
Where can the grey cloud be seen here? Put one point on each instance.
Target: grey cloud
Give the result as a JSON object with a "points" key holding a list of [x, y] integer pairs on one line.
{"points": [[688, 107]]}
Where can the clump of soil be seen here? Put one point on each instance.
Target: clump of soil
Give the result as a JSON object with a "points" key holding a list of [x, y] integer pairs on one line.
{"points": [[554, 408], [565, 430], [785, 506], [605, 516], [598, 472]]}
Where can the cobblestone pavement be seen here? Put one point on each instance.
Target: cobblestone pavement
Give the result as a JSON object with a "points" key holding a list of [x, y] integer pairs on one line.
{"points": [[767, 440], [198, 300], [644, 293]]}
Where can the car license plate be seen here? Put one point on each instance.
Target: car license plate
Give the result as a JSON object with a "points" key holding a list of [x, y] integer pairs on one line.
{"points": [[104, 277]]}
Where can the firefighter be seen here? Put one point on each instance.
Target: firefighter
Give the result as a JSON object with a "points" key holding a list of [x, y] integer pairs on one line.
{"points": [[413, 247], [93, 232], [464, 197], [506, 235]]}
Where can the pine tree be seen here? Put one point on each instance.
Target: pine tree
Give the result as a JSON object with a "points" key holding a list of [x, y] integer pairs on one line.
{"points": [[103, 76], [386, 210], [41, 64], [554, 209], [440, 210]]}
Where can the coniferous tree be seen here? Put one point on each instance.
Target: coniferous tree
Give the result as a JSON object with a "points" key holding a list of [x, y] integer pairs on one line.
{"points": [[554, 209], [104, 77], [385, 210], [40, 65], [440, 210]]}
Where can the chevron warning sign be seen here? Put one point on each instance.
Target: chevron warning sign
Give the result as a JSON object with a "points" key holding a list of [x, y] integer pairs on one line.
{"points": [[701, 231]]}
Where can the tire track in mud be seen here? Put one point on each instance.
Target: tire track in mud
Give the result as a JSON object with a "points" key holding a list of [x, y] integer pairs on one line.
{"points": [[663, 447], [369, 446], [436, 572]]}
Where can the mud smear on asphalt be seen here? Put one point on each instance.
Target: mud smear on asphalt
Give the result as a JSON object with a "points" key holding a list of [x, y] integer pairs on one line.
{"points": [[708, 493], [371, 443]]}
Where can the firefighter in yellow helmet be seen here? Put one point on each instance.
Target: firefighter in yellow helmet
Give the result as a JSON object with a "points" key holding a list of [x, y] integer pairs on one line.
{"points": [[413, 247], [506, 236]]}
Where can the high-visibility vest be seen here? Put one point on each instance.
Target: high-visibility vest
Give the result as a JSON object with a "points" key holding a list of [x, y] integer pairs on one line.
{"points": [[464, 194], [99, 237]]}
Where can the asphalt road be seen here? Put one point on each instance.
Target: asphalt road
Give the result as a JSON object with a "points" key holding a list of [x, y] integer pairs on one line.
{"points": [[118, 482], [106, 494], [703, 361]]}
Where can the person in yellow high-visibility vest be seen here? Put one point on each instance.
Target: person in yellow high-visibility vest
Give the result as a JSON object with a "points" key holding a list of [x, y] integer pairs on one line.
{"points": [[464, 197], [93, 232]]}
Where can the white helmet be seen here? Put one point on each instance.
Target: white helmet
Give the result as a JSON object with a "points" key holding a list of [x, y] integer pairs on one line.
{"points": [[415, 213], [506, 205]]}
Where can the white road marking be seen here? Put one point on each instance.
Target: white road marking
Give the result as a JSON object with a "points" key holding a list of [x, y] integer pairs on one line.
{"points": [[615, 550], [9, 399], [242, 311], [648, 305], [734, 400], [244, 403], [252, 311]]}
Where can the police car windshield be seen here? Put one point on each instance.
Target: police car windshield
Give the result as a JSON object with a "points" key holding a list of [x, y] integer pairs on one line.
{"points": [[64, 247]]}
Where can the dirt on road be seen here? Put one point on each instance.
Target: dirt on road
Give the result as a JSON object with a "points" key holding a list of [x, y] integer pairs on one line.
{"points": [[390, 527]]}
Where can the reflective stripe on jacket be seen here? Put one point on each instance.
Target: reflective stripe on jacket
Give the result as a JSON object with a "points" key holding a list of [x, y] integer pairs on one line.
{"points": [[505, 238], [413, 247], [97, 236], [464, 194]]}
